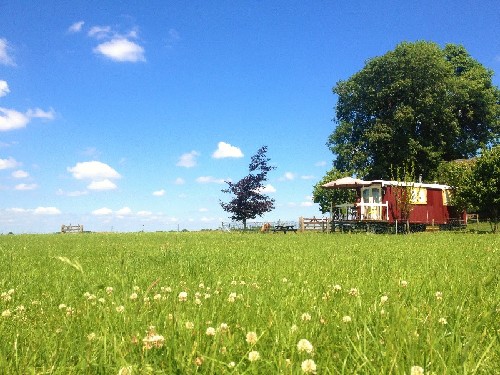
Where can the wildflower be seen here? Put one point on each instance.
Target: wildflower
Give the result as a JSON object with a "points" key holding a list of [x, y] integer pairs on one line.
{"points": [[198, 361], [20, 309], [91, 336], [223, 350], [354, 292], [70, 311], [288, 362], [210, 331], [234, 282], [308, 366], [62, 306], [304, 346], [133, 296], [232, 297], [403, 283], [189, 325], [253, 356], [346, 319], [207, 295], [306, 317], [201, 285], [6, 313], [416, 370], [157, 297], [383, 299], [109, 289], [152, 340], [224, 327], [382, 312], [11, 292], [439, 296], [443, 321], [337, 288], [120, 309], [231, 364], [101, 300], [136, 288], [252, 337], [125, 370], [36, 302], [284, 280], [183, 296], [197, 301]]}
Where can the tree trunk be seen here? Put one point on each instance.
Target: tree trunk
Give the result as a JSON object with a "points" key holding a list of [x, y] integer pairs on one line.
{"points": [[244, 224]]}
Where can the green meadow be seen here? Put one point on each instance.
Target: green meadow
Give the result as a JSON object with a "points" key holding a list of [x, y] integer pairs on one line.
{"points": [[250, 303]]}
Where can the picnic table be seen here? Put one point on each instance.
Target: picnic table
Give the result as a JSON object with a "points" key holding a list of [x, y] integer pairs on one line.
{"points": [[284, 228]]}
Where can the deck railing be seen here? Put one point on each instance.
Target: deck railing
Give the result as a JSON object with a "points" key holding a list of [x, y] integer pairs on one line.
{"points": [[361, 211]]}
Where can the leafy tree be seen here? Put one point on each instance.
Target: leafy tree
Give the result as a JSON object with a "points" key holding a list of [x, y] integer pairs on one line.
{"points": [[457, 174], [325, 197], [418, 104], [248, 201], [483, 191]]}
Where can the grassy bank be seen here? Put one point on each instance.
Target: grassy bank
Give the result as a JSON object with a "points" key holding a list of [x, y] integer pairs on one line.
{"points": [[191, 303]]}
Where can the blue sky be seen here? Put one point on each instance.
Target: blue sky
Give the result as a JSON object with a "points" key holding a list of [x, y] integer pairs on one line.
{"points": [[129, 115]]}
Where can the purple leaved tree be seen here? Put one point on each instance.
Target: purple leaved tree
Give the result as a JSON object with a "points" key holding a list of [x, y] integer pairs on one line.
{"points": [[248, 201]]}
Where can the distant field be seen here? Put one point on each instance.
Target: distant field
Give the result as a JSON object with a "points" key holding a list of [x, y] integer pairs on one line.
{"points": [[232, 303]]}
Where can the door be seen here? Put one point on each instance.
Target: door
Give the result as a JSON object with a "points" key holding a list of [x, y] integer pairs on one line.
{"points": [[370, 207]]}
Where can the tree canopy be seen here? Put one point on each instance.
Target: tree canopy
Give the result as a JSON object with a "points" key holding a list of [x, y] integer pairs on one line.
{"points": [[248, 201], [416, 105], [325, 197]]}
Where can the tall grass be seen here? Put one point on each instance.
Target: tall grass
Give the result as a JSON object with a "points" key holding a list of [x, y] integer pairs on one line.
{"points": [[366, 304]]}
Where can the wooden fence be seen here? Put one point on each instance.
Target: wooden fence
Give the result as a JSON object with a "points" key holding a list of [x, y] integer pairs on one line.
{"points": [[314, 223], [72, 228]]}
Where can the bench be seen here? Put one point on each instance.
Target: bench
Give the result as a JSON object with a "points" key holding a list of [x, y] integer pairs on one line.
{"points": [[284, 228]]}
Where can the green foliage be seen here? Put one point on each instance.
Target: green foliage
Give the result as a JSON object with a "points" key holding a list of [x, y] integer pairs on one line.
{"points": [[483, 191], [325, 197], [457, 174], [417, 104], [428, 300]]}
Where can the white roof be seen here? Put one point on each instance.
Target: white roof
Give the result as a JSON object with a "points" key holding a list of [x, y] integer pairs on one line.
{"points": [[414, 184]]}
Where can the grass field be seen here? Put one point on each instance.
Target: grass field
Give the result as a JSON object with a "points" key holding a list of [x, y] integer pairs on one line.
{"points": [[233, 303]]}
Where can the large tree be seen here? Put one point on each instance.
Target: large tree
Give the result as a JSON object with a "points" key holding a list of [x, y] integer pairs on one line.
{"points": [[325, 197], [248, 201], [418, 104]]}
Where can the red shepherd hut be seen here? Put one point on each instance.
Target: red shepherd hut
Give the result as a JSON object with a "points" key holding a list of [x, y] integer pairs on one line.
{"points": [[383, 204]]}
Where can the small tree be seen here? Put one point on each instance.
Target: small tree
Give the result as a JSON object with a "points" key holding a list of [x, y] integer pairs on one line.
{"points": [[248, 201], [403, 193], [483, 191]]}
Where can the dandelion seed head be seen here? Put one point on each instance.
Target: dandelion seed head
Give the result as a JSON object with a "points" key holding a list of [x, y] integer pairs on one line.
{"points": [[183, 296], [210, 331]]}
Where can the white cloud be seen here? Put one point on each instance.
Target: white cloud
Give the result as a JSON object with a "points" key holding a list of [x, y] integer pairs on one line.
{"points": [[188, 160], [20, 174], [102, 211], [39, 113], [100, 32], [5, 58], [225, 150], [8, 163], [16, 210], [209, 179], [288, 176], [26, 187], [46, 211], [122, 50], [93, 170], [268, 189], [105, 184], [124, 211], [76, 27], [4, 88], [144, 213], [11, 119], [159, 193], [306, 204], [179, 181]]}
